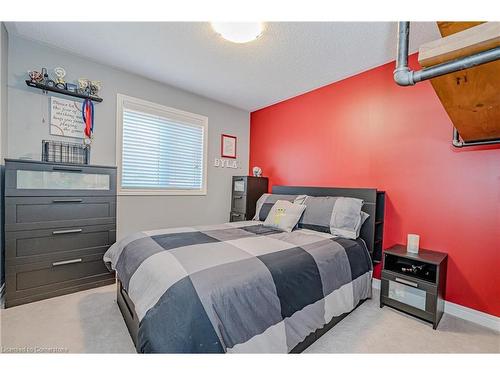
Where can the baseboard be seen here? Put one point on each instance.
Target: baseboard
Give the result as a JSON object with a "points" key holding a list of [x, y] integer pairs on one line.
{"points": [[475, 316], [462, 312]]}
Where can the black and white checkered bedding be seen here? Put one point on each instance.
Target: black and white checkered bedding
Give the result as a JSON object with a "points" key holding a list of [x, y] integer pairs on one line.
{"points": [[237, 287]]}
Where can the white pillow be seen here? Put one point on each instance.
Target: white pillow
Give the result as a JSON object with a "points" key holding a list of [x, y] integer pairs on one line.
{"points": [[284, 215]]}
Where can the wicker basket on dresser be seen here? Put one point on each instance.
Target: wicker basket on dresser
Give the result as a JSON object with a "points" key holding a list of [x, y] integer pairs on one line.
{"points": [[59, 220]]}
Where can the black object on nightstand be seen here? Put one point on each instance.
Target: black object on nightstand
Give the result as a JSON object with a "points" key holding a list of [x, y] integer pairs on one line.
{"points": [[414, 283], [245, 192]]}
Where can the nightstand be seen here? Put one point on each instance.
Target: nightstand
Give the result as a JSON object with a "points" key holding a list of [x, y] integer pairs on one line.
{"points": [[414, 283]]}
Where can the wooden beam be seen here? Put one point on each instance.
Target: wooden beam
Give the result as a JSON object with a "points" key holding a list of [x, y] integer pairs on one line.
{"points": [[464, 43], [447, 28], [471, 98]]}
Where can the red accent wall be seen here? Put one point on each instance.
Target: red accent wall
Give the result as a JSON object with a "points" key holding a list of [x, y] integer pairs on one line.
{"points": [[365, 131]]}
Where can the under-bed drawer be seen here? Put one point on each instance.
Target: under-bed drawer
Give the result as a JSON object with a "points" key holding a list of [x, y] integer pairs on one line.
{"points": [[42, 245], [37, 280], [28, 213]]}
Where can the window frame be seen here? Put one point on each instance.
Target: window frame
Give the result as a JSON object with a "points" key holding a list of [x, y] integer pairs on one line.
{"points": [[157, 109]]}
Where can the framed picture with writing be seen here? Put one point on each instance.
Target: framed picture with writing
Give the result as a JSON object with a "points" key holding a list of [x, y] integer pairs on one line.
{"points": [[228, 146]]}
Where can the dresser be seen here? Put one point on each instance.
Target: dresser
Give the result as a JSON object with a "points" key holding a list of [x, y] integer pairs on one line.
{"points": [[245, 192], [59, 220]]}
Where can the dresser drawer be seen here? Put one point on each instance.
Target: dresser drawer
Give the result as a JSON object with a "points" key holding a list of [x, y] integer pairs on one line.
{"points": [[30, 178], [39, 245], [28, 213], [237, 216], [39, 279], [239, 185], [239, 203]]}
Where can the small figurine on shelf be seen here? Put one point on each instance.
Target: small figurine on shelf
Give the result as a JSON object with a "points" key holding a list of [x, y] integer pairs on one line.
{"points": [[35, 76], [60, 73], [257, 172]]}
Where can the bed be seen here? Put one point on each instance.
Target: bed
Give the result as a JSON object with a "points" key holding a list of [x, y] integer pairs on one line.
{"points": [[241, 287]]}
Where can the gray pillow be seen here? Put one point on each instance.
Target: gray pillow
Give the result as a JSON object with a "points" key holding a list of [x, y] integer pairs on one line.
{"points": [[320, 212], [346, 217], [364, 217], [266, 202], [284, 215]]}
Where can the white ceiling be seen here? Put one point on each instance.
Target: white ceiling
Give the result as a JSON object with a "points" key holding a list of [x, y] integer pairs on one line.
{"points": [[290, 58]]}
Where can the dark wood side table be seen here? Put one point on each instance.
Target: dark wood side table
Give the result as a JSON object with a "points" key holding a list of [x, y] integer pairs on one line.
{"points": [[414, 283], [245, 192]]}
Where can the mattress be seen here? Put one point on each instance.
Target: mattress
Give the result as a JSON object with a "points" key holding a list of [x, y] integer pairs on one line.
{"points": [[237, 287]]}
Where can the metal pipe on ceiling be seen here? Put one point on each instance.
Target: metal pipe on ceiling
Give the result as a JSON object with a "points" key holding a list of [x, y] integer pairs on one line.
{"points": [[457, 142], [403, 76]]}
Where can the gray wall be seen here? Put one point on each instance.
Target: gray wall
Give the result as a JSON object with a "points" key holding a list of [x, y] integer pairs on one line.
{"points": [[28, 124], [4, 42]]}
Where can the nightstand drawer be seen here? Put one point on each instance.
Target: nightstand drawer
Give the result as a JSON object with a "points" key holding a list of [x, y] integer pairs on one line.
{"points": [[409, 281]]}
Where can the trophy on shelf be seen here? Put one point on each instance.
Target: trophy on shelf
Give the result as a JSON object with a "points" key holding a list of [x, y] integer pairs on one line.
{"points": [[60, 73], [95, 87], [83, 86]]}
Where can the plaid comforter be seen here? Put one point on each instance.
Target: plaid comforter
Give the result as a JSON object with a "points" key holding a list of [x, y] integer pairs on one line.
{"points": [[237, 287]]}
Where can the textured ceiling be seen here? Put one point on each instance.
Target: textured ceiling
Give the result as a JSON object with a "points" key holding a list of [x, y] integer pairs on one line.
{"points": [[290, 58]]}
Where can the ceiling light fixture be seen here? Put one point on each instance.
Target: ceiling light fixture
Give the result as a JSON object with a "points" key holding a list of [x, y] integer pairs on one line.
{"points": [[238, 32]]}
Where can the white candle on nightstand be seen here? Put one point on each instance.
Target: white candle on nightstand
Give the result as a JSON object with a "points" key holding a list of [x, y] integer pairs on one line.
{"points": [[413, 242]]}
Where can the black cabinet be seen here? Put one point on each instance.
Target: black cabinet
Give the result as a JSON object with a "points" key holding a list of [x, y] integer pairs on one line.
{"points": [[245, 192], [414, 283], [59, 221]]}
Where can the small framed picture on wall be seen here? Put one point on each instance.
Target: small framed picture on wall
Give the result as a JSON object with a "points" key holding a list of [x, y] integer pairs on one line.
{"points": [[228, 146]]}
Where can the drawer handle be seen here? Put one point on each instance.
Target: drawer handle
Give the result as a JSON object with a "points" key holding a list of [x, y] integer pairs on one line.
{"points": [[403, 281], [67, 231], [63, 262], [238, 197], [67, 201], [67, 169], [237, 215]]}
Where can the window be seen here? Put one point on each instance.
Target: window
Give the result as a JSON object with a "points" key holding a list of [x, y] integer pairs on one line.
{"points": [[160, 150]]}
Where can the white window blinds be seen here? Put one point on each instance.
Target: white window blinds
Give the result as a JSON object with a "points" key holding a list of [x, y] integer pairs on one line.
{"points": [[161, 151]]}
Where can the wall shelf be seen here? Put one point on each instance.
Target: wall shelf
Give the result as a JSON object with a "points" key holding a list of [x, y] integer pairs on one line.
{"points": [[43, 87]]}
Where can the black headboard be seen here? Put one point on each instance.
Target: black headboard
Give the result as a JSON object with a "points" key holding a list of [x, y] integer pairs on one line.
{"points": [[372, 229]]}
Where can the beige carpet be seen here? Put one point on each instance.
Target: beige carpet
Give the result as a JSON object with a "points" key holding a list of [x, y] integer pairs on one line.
{"points": [[90, 322]]}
